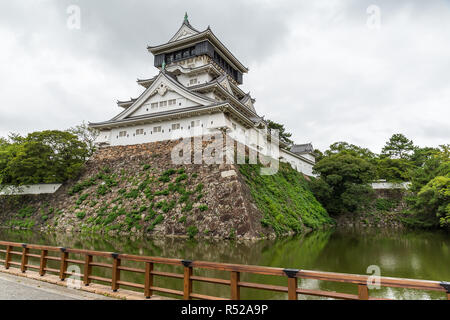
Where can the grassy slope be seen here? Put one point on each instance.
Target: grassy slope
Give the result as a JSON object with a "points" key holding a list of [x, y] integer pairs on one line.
{"points": [[285, 199]]}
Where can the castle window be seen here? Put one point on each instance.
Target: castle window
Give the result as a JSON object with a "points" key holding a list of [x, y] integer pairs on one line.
{"points": [[163, 104], [193, 81], [195, 123], [176, 126], [234, 126], [122, 134], [155, 105], [157, 129], [139, 132], [172, 102]]}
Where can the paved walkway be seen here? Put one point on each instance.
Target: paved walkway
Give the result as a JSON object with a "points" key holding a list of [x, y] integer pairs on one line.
{"points": [[31, 286], [19, 288]]}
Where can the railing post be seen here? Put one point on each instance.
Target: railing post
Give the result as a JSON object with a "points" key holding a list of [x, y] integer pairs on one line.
{"points": [[292, 283], [148, 280], [23, 265], [235, 289], [115, 272], [363, 292], [187, 279], [7, 257], [87, 269], [446, 286], [63, 265], [43, 262]]}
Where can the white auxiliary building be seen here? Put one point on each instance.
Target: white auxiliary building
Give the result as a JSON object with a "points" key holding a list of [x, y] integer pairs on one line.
{"points": [[195, 93]]}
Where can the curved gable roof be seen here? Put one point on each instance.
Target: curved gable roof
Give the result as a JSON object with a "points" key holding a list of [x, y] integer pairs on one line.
{"points": [[163, 78]]}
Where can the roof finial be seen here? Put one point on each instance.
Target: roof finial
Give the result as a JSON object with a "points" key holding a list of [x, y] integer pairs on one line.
{"points": [[163, 66], [186, 18]]}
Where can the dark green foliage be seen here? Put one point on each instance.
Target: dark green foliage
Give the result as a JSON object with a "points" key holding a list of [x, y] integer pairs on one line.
{"points": [[188, 207], [283, 134], [347, 148], [165, 177], [232, 234], [146, 167], [344, 182], [285, 199], [26, 212], [394, 170], [203, 207], [398, 147], [82, 198], [165, 192], [80, 215], [133, 194], [157, 220], [431, 189], [81, 186], [102, 190], [192, 231], [385, 205], [166, 206], [41, 157], [181, 177]]}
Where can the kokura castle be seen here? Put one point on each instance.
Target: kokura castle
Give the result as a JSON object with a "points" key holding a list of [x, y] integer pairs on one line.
{"points": [[196, 92]]}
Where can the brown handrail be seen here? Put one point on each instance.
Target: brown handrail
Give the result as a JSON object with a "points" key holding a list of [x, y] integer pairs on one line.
{"points": [[188, 276]]}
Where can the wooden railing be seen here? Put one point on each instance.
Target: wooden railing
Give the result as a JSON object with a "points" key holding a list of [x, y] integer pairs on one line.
{"points": [[234, 282]]}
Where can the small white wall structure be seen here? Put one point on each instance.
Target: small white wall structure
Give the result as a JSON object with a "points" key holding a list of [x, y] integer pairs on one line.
{"points": [[383, 185], [30, 189]]}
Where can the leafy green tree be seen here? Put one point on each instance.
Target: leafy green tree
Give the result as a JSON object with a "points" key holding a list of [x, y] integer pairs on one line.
{"points": [[86, 134], [394, 170], [438, 164], [434, 199], [421, 155], [345, 147], [344, 183], [284, 136], [42, 157], [430, 200], [398, 147], [319, 154]]}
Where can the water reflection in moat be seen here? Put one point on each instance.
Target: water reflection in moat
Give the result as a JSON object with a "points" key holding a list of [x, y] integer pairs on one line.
{"points": [[405, 254]]}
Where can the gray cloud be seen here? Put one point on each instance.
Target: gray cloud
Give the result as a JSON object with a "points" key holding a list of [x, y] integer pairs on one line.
{"points": [[314, 66]]}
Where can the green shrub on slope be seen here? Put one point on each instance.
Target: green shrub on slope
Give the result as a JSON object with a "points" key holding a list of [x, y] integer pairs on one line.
{"points": [[284, 199]]}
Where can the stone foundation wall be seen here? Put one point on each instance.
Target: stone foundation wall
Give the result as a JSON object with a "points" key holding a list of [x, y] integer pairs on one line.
{"points": [[128, 190]]}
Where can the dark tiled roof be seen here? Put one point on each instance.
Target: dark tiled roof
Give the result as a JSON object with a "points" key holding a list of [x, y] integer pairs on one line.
{"points": [[302, 148]]}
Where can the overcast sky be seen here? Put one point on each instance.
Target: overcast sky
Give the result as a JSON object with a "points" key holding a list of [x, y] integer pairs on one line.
{"points": [[325, 69]]}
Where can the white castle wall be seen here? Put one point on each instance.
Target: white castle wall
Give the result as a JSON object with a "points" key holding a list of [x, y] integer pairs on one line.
{"points": [[380, 185], [30, 189]]}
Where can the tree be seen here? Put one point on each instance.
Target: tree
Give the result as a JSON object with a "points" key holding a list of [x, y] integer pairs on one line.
{"points": [[283, 135], [344, 180], [398, 147], [430, 187], [394, 170], [345, 147], [86, 134], [42, 157], [437, 164], [434, 199], [421, 155], [318, 154]]}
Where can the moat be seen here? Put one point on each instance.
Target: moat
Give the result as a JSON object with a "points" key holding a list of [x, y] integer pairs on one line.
{"points": [[405, 254]]}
